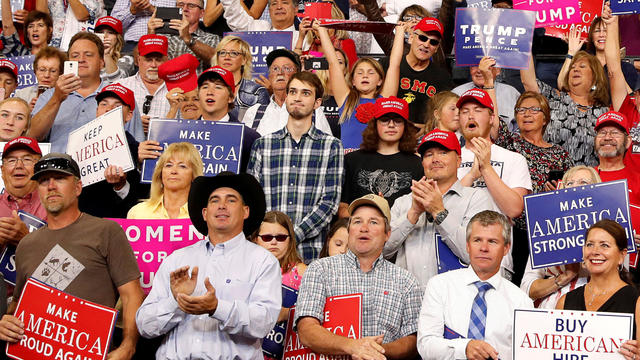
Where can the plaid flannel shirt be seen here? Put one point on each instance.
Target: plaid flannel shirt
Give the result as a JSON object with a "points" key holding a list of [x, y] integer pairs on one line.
{"points": [[303, 180], [391, 296]]}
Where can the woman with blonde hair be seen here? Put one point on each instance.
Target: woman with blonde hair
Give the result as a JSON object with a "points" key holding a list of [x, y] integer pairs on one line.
{"points": [[234, 54], [176, 168], [15, 118], [276, 234], [115, 67]]}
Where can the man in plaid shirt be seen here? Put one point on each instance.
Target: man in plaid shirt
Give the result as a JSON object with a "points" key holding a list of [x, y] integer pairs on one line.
{"points": [[391, 295], [300, 167]]}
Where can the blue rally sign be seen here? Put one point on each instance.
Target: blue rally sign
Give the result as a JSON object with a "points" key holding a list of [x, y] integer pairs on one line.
{"points": [[219, 143], [262, 43], [558, 220], [273, 344], [26, 75], [447, 260], [8, 257], [622, 7], [502, 34]]}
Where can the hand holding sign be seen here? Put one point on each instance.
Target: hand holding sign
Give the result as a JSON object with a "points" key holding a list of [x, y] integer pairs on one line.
{"points": [[11, 329], [182, 282], [12, 229], [480, 350], [149, 149], [630, 350], [197, 305]]}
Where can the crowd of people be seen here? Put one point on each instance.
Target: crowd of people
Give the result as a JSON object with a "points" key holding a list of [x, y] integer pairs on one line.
{"points": [[355, 178]]}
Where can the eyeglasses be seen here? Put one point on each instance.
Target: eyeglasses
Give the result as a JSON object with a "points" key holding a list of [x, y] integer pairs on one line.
{"points": [[408, 18], [387, 121], [146, 107], [533, 110], [56, 164], [425, 38], [579, 182], [285, 69], [51, 71], [268, 238], [231, 54], [612, 133], [190, 6], [13, 161]]}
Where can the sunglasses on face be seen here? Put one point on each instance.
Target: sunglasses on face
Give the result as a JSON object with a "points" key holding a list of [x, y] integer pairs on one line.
{"points": [[268, 238], [426, 39], [53, 164]]}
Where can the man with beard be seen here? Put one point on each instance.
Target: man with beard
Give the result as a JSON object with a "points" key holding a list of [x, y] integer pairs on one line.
{"points": [[300, 167], [282, 64], [611, 143], [149, 89]]}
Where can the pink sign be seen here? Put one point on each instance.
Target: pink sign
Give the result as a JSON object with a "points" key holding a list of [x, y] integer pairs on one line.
{"points": [[153, 240], [589, 10], [551, 12]]}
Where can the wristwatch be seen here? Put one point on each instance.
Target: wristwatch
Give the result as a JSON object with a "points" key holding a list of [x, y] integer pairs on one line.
{"points": [[441, 216], [192, 41]]}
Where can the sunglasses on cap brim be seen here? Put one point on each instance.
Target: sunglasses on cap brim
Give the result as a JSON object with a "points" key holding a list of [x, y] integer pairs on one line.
{"points": [[53, 164]]}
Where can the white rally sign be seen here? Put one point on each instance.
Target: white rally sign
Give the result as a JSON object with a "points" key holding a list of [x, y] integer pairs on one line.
{"points": [[98, 144]]}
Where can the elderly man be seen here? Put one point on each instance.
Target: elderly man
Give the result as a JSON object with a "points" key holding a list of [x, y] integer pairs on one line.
{"points": [[102, 266], [20, 192], [390, 294], [438, 205], [468, 313], [267, 119], [217, 298]]}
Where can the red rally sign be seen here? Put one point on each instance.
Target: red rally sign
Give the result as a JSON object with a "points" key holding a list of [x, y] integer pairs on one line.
{"points": [[61, 326], [342, 316], [589, 10]]}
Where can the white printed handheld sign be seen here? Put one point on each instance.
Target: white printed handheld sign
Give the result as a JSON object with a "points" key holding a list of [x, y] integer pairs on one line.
{"points": [[98, 144], [569, 335]]}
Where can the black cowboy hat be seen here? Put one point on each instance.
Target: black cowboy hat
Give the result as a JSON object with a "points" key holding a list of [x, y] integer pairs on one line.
{"points": [[248, 187]]}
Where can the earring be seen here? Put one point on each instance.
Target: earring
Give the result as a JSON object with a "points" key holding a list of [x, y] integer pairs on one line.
{"points": [[593, 88]]}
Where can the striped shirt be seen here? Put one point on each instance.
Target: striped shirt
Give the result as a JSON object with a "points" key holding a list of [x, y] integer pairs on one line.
{"points": [[135, 26], [391, 297], [303, 180]]}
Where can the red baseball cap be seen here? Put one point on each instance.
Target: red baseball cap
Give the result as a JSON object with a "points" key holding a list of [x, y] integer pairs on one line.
{"points": [[151, 43], [613, 118], [478, 95], [218, 73], [110, 22], [116, 90], [429, 24], [180, 72], [21, 142], [447, 139], [391, 105], [10, 66]]}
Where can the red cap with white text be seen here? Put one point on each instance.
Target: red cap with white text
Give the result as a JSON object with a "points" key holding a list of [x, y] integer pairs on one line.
{"points": [[152, 43], [478, 95], [124, 94], [21, 142], [10, 66], [110, 22], [613, 118], [429, 24], [447, 139], [390, 105], [180, 73], [217, 72]]}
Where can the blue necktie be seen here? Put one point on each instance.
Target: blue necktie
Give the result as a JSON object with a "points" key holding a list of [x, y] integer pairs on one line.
{"points": [[478, 317]]}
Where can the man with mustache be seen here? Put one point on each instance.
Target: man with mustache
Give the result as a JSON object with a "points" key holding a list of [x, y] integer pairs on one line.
{"points": [[267, 119], [149, 89], [99, 265], [611, 143]]}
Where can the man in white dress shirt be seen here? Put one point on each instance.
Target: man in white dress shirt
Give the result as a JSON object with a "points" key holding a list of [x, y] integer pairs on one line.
{"points": [[468, 313], [217, 298]]}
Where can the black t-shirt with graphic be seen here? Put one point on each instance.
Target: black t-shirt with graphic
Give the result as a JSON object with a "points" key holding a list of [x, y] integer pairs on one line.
{"points": [[416, 87], [369, 172]]}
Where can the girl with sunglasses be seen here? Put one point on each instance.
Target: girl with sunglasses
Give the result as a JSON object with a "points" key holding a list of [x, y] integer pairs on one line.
{"points": [[276, 234], [367, 84]]}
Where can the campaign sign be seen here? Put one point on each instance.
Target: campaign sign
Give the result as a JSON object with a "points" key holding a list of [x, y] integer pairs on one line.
{"points": [[551, 12], [44, 147], [565, 334], [26, 74], [589, 10], [479, 3], [273, 343], [447, 260], [502, 34], [373, 27], [557, 220], [153, 240], [262, 43], [8, 257], [621, 7], [635, 220], [61, 326], [342, 316], [219, 143], [99, 143]]}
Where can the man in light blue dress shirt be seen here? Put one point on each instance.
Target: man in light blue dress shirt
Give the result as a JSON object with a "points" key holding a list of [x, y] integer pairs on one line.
{"points": [[217, 298]]}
